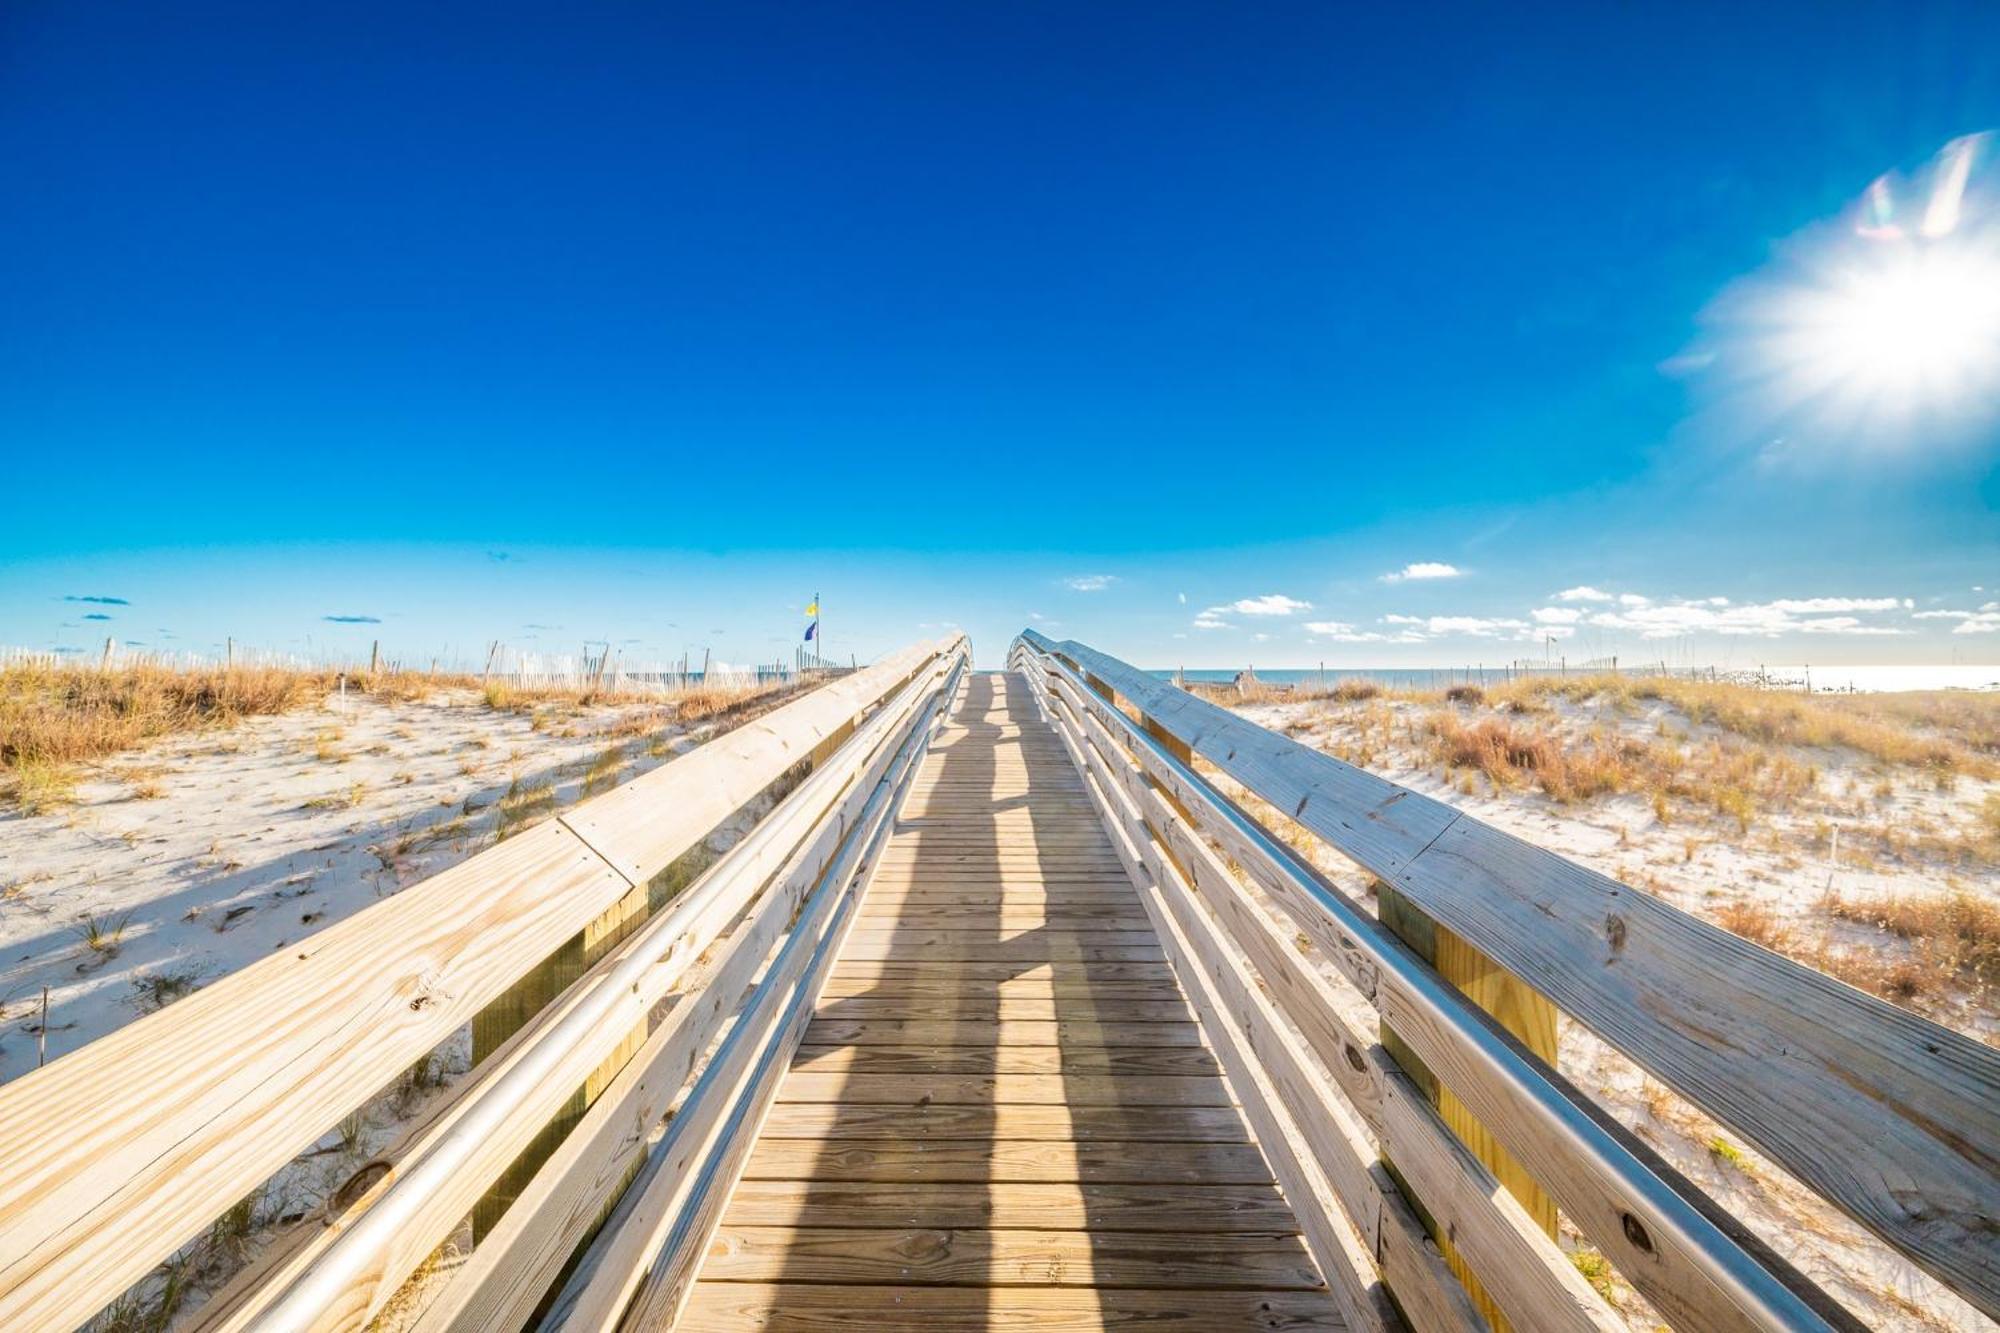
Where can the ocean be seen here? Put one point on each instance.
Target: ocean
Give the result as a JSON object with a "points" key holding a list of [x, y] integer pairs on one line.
{"points": [[1872, 679]]}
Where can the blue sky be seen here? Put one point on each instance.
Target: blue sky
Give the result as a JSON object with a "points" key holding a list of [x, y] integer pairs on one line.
{"points": [[1168, 326]]}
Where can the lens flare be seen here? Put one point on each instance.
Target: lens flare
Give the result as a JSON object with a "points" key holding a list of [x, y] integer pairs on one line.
{"points": [[1877, 331]]}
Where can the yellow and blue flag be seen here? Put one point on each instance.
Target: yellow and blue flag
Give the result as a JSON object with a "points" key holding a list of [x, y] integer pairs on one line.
{"points": [[812, 610]]}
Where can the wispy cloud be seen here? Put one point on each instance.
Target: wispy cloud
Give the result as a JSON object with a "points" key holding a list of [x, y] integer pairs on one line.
{"points": [[1211, 620], [1582, 593], [1476, 627], [101, 601], [97, 615], [1986, 620], [1680, 616], [352, 620], [1556, 615], [1089, 582], [1271, 604], [1340, 631], [1424, 569]]}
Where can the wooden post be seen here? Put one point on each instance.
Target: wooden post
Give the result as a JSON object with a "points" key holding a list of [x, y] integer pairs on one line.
{"points": [[1523, 1011], [374, 656], [229, 652]]}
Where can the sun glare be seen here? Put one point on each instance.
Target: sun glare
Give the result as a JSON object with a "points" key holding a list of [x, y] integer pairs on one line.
{"points": [[1917, 323], [1880, 331]]}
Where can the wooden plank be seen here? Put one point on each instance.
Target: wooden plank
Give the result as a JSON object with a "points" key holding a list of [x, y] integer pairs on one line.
{"points": [[736, 1307], [963, 1257], [805, 1085], [975, 1162], [1040, 947], [1014, 1006], [1171, 1061], [946, 991], [1003, 1032], [1133, 1124], [1215, 1209], [1888, 1115], [1065, 972]]}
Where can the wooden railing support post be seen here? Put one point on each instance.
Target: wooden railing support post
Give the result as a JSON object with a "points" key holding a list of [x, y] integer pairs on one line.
{"points": [[1523, 1011]]}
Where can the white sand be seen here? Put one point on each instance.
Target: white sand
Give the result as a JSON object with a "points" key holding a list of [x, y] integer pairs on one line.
{"points": [[259, 836]]}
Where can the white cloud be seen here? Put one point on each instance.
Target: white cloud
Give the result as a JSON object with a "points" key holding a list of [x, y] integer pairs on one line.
{"points": [[1633, 599], [1341, 632], [1816, 605], [1986, 620], [1209, 620], [1582, 593], [1718, 615], [1271, 604], [1423, 569], [1479, 627], [1089, 582], [1183, 597], [1557, 615], [1261, 638]]}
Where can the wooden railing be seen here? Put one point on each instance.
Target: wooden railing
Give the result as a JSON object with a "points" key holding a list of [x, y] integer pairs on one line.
{"points": [[115, 1157], [1394, 1144]]}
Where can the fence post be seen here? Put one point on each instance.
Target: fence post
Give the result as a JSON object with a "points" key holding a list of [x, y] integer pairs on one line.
{"points": [[1519, 1008]]}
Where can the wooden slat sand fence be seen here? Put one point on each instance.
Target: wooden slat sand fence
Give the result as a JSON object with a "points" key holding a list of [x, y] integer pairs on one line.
{"points": [[114, 1157], [1427, 1156]]}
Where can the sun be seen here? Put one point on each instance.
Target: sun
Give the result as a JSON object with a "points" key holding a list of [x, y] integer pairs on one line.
{"points": [[1871, 332], [1902, 325]]}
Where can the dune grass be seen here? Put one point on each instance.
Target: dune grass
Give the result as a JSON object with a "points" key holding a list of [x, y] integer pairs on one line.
{"points": [[56, 716], [52, 717]]}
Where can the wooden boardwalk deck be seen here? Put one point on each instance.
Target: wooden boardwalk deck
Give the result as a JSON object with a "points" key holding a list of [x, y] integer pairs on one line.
{"points": [[1003, 1114]]}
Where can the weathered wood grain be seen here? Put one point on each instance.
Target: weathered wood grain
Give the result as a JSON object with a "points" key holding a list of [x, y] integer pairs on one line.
{"points": [[1893, 1118], [976, 1257]]}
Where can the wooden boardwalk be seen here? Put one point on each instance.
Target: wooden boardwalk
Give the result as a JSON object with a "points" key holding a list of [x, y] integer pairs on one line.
{"points": [[1003, 1114]]}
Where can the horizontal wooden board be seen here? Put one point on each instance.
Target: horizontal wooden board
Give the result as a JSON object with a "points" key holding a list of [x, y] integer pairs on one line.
{"points": [[1178, 1061], [1206, 1209], [945, 989], [987, 1090], [988, 1033], [1065, 971], [964, 1256], [1154, 1124], [975, 1162], [990, 1006], [955, 947], [737, 1307]]}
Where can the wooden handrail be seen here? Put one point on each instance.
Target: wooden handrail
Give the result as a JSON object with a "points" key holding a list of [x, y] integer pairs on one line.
{"points": [[168, 1121], [1891, 1117]]}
